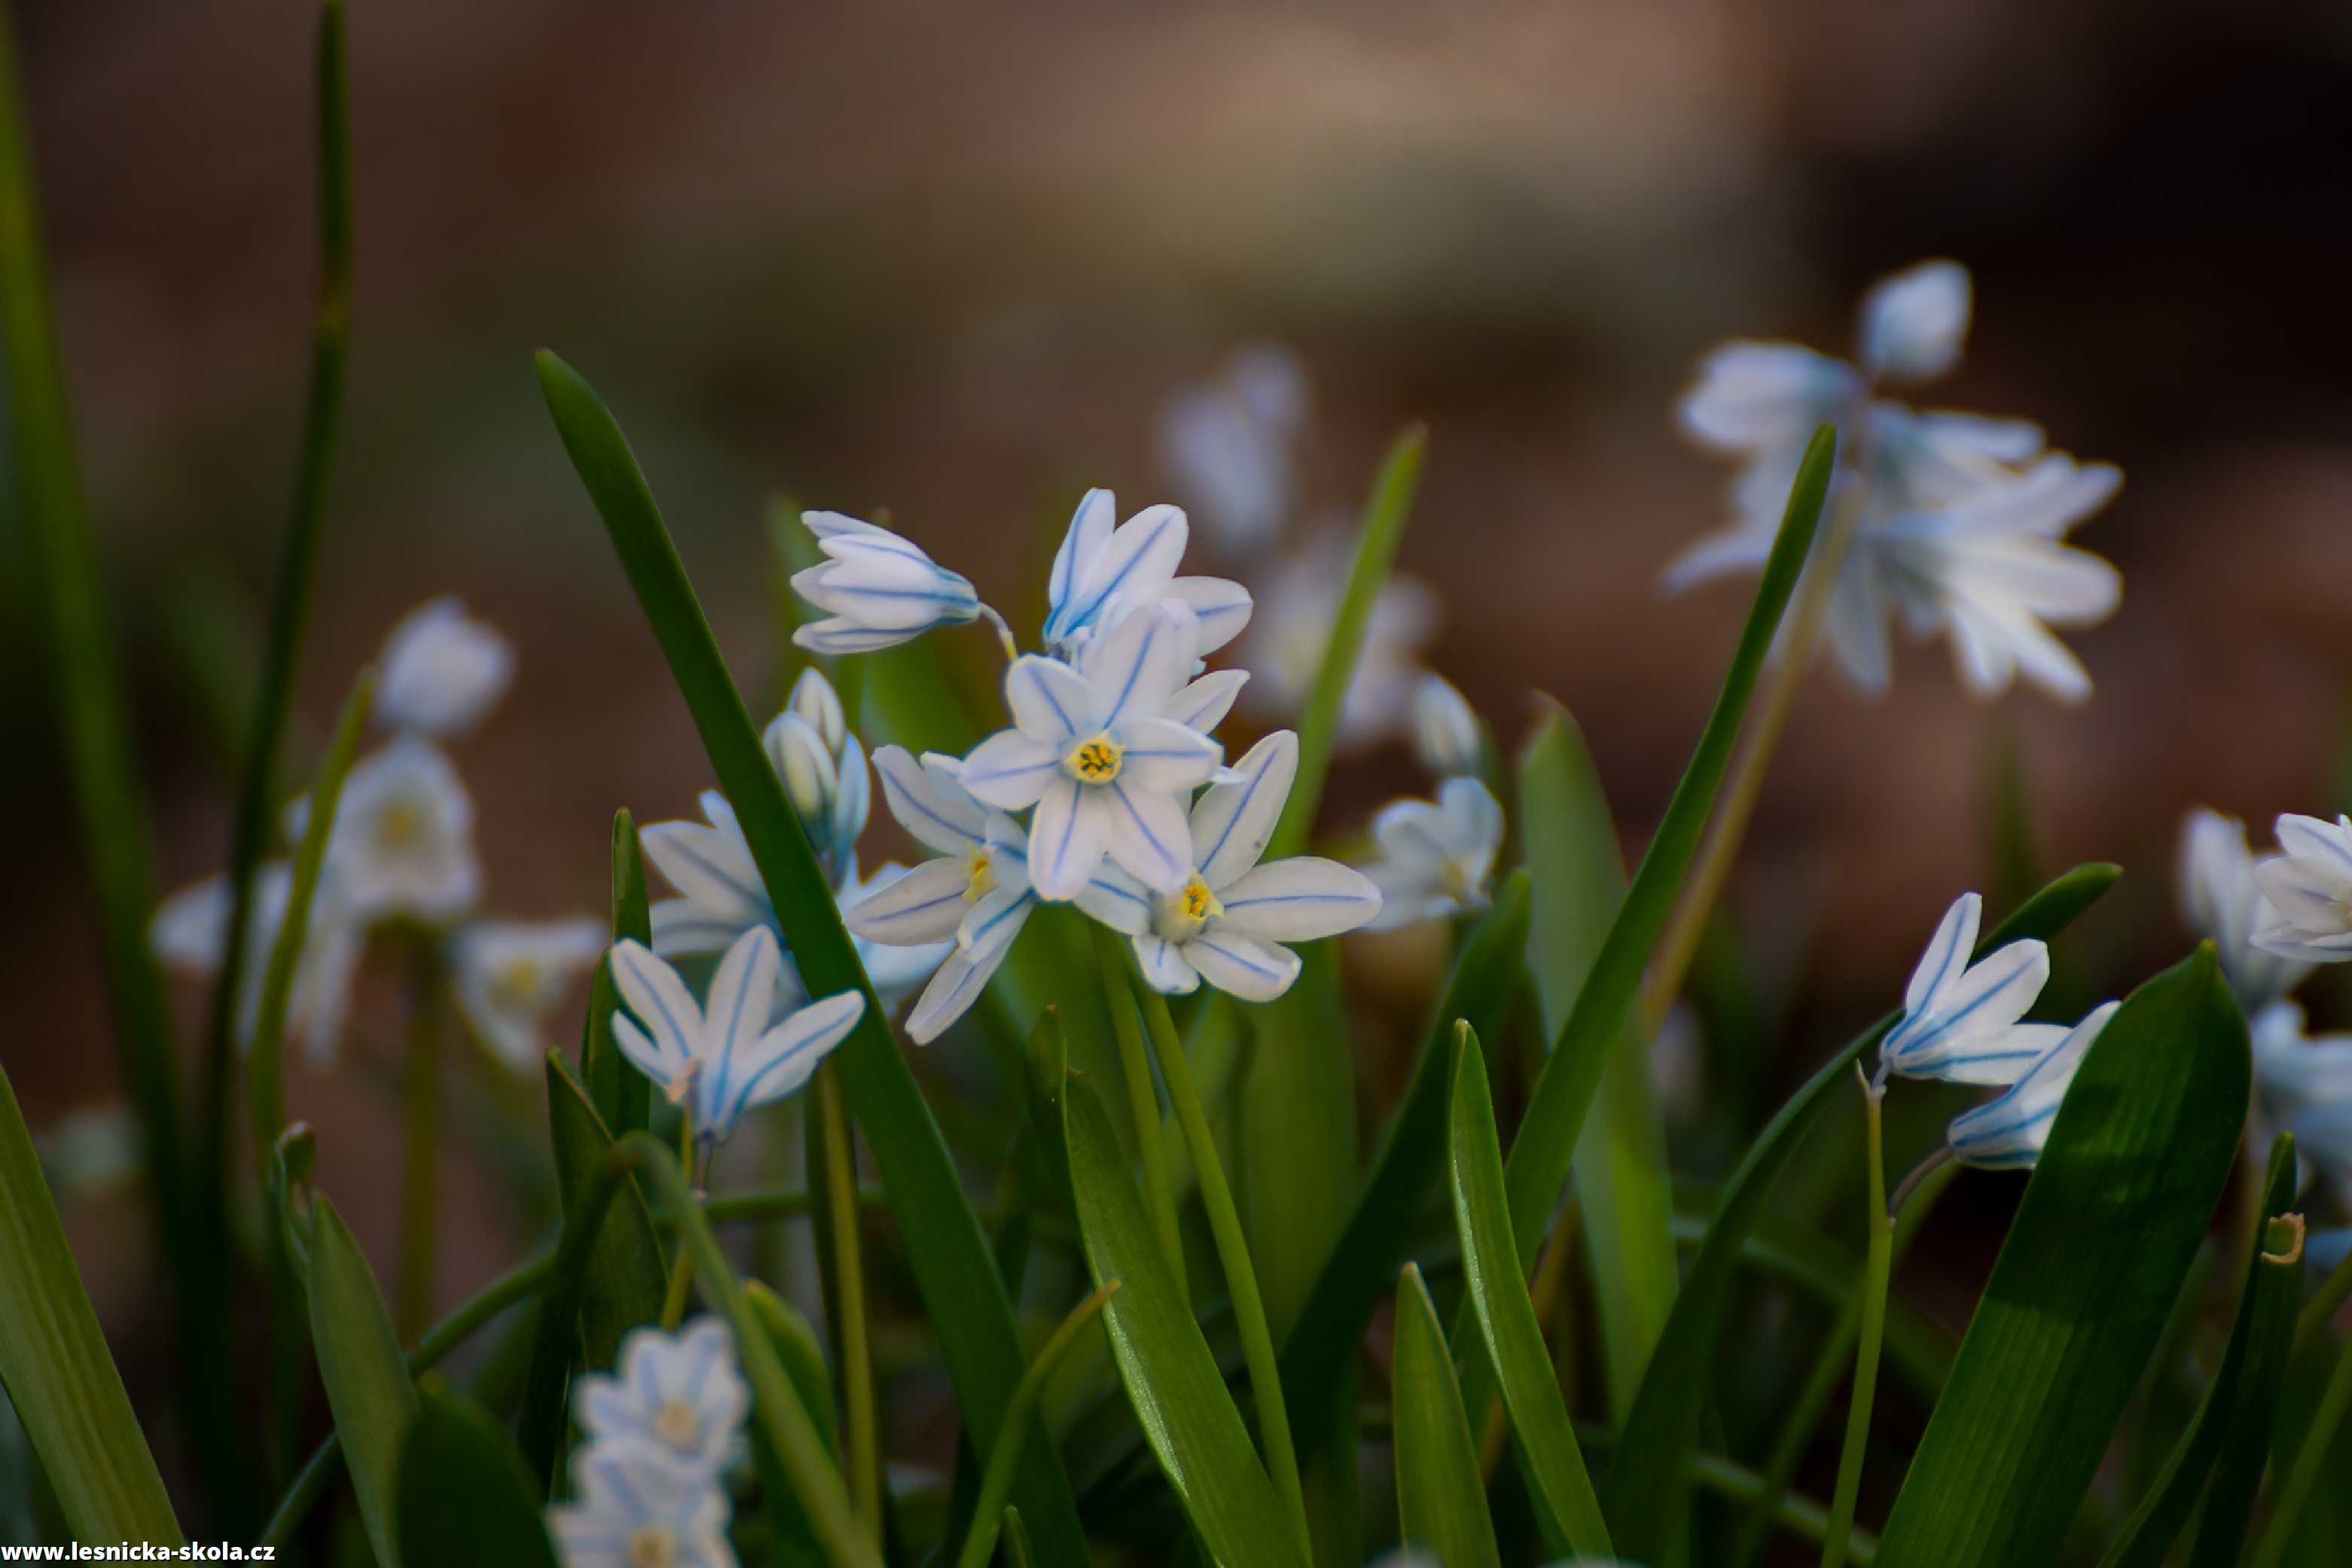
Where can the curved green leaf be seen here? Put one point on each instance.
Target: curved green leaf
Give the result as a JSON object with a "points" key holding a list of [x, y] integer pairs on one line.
{"points": [[466, 1500], [796, 1346], [2138, 1156], [1172, 1380], [365, 1376], [996, 1483], [626, 1272], [1441, 1493], [1507, 1318]]}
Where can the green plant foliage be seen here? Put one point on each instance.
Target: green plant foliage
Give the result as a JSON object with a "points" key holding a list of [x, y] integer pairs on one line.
{"points": [[466, 1500], [1440, 1495], [367, 1382]]}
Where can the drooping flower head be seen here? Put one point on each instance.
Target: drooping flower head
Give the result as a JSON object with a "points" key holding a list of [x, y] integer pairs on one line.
{"points": [[440, 671], [878, 587], [508, 974], [2309, 886], [2008, 1134], [678, 1394], [2221, 898], [1106, 570], [1962, 1021], [1227, 442], [1436, 857], [403, 844]]}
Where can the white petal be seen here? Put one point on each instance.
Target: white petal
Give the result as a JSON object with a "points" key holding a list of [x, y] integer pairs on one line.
{"points": [[658, 998], [1143, 830], [1066, 838], [991, 924], [2010, 1133], [711, 866], [2326, 845], [783, 1058], [924, 905], [1948, 952], [1221, 608], [952, 990], [886, 590], [1232, 822], [1164, 968], [1754, 394], [1204, 705], [852, 799], [1246, 966], [1299, 900], [1117, 900], [1141, 663], [929, 801], [1914, 322], [1161, 755], [840, 635], [440, 671], [662, 1066], [1135, 568], [1010, 770], [684, 929], [1083, 544], [1050, 701], [736, 1009]]}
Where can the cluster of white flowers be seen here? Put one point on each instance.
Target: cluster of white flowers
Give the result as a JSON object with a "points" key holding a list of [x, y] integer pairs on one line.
{"points": [[1957, 521], [401, 853], [650, 1484]]}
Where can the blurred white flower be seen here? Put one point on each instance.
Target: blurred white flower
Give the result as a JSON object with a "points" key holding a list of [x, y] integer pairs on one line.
{"points": [[680, 1394], [629, 1510], [878, 587], [1227, 921], [1227, 443], [1093, 749], [1104, 574], [1284, 651], [403, 846], [2302, 1085], [86, 1153], [2309, 886], [723, 1057], [440, 671], [818, 706], [507, 975], [1914, 322], [2221, 898], [823, 767], [1446, 735], [1961, 1021], [1436, 857], [190, 934], [2008, 1134], [893, 971]]}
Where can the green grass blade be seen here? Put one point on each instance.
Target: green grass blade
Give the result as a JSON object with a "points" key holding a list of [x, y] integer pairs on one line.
{"points": [[367, 1380], [796, 1346], [1623, 1194], [1507, 1318], [1648, 1483], [1440, 1494], [626, 1274], [631, 1108], [2139, 1153], [996, 1483], [943, 1242], [1387, 511], [56, 1368], [1171, 1379], [465, 1499]]}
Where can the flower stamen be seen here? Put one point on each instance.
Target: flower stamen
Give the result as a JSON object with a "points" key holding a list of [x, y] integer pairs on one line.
{"points": [[1095, 761]]}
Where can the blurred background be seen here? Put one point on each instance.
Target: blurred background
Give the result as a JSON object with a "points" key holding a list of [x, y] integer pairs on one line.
{"points": [[954, 261]]}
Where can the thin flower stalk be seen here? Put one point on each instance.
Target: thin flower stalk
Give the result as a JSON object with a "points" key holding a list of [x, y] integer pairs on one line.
{"points": [[836, 1170], [1877, 1265], [996, 1480], [1143, 1103]]}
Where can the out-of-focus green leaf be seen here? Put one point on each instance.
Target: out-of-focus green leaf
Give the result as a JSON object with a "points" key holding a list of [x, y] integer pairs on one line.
{"points": [[619, 1092], [54, 1363], [1624, 1195], [626, 1275], [2138, 1157], [796, 1346], [996, 1484], [1646, 1489], [1507, 1319], [367, 1382], [1171, 1379], [1441, 1493], [465, 1499], [941, 1237]]}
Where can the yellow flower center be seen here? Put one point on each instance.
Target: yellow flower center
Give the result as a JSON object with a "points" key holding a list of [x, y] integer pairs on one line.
{"points": [[1094, 762], [1198, 902], [653, 1546], [517, 983], [1194, 906], [677, 1424], [400, 827], [981, 871], [1456, 877]]}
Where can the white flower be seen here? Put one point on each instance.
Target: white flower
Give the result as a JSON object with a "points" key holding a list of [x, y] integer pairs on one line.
{"points": [[677, 1393], [440, 671], [403, 844], [87, 1152], [1756, 397], [508, 975], [2309, 886], [819, 706], [1445, 734], [893, 971], [1227, 443], [1094, 750], [190, 934], [632, 1511], [1961, 1020], [2221, 898], [1436, 857], [1293, 629], [1104, 574], [878, 588], [1228, 920], [2008, 1134], [1914, 322], [723, 1058], [2302, 1085], [823, 768]]}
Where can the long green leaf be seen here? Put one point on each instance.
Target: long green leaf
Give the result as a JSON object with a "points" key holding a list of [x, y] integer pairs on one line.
{"points": [[942, 1240], [1624, 1196], [465, 1499], [54, 1364], [626, 1275], [1647, 1487], [1441, 1493], [1171, 1379], [619, 1092], [1507, 1318], [365, 1376], [996, 1484], [2138, 1157]]}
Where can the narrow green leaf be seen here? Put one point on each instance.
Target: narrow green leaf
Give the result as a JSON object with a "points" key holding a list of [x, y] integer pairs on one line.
{"points": [[1441, 1493], [796, 1346], [56, 1368], [1623, 1194], [996, 1484], [1507, 1318], [2138, 1156], [627, 1273], [366, 1379], [1647, 1487], [620, 1093], [943, 1242], [1171, 1379], [466, 1500]]}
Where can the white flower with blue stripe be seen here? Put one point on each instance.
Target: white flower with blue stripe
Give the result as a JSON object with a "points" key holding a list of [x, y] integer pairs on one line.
{"points": [[630, 1510], [2008, 1134], [1094, 749], [1227, 921], [1962, 1021], [677, 1393], [2221, 899], [878, 588], [1103, 573], [2309, 886], [1437, 858], [722, 1057]]}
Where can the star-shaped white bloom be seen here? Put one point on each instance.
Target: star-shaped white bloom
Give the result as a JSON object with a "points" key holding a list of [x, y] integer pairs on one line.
{"points": [[1961, 1021], [630, 1510], [1446, 735], [403, 844], [1227, 443], [878, 587], [1436, 857], [440, 671], [2221, 898], [1292, 631], [508, 974], [1094, 749], [1103, 573], [723, 1057], [2008, 1134], [2309, 886], [190, 934], [1228, 920], [680, 1394]]}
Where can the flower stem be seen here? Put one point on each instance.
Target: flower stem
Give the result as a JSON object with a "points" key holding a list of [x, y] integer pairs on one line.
{"points": [[1233, 1255], [836, 1172], [996, 1480], [1004, 639], [420, 1186], [1836, 1540], [1144, 1102]]}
